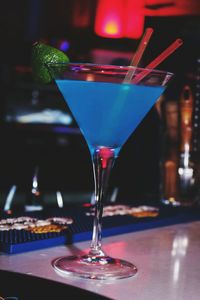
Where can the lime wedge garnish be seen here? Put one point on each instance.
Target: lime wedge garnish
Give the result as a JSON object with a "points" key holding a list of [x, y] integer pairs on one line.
{"points": [[41, 55]]}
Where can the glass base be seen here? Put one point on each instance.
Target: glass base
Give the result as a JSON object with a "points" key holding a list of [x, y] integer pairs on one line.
{"points": [[94, 267]]}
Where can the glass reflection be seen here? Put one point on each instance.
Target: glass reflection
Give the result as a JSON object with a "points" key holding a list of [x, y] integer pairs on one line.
{"points": [[178, 252]]}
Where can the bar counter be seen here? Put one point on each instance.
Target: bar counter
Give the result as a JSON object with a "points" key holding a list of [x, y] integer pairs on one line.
{"points": [[167, 259]]}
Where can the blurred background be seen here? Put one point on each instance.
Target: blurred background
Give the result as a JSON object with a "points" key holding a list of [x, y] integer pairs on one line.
{"points": [[42, 152]]}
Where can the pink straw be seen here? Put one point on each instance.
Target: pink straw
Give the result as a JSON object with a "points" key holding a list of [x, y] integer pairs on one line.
{"points": [[143, 44], [175, 45], [138, 55]]}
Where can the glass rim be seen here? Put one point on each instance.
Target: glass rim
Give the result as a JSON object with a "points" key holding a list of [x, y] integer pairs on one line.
{"points": [[114, 67]]}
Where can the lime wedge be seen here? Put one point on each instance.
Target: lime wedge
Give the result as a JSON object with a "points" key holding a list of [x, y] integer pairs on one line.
{"points": [[41, 55]]}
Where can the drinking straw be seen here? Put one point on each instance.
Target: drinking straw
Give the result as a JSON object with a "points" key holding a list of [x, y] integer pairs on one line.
{"points": [[174, 46], [138, 55]]}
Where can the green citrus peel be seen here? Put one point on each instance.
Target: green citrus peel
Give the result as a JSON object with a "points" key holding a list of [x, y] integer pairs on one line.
{"points": [[43, 54]]}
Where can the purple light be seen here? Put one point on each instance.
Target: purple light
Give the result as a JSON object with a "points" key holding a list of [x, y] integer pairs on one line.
{"points": [[64, 45]]}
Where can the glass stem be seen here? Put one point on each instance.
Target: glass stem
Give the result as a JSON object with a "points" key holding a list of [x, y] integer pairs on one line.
{"points": [[103, 160]]}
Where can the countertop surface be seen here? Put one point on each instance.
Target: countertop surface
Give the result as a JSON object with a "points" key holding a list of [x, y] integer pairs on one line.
{"points": [[167, 259]]}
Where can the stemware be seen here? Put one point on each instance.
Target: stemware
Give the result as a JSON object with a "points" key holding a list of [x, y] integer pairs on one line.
{"points": [[107, 109]]}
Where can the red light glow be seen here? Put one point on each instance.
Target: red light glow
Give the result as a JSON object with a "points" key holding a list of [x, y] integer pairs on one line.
{"points": [[125, 18], [134, 20], [111, 28], [109, 18], [120, 19]]}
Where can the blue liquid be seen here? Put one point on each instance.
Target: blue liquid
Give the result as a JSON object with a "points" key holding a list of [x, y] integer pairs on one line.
{"points": [[107, 113]]}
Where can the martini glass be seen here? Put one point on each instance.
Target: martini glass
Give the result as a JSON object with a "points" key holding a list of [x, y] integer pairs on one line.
{"points": [[107, 109]]}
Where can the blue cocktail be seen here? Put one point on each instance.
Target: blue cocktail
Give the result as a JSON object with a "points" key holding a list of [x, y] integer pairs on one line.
{"points": [[107, 109], [107, 113]]}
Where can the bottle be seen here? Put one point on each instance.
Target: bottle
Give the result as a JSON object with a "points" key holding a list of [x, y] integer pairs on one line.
{"points": [[181, 150], [186, 169], [169, 157]]}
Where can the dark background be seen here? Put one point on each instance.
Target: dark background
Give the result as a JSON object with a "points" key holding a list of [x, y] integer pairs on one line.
{"points": [[62, 157]]}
